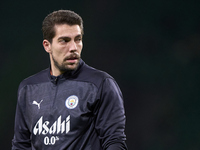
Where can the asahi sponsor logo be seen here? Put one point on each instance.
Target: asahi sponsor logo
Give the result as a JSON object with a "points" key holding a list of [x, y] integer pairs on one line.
{"points": [[58, 127]]}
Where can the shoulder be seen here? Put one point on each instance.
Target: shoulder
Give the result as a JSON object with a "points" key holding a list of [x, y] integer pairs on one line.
{"points": [[93, 75], [37, 78], [96, 72]]}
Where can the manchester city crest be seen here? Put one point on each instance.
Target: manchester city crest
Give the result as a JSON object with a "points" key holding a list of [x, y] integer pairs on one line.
{"points": [[71, 102]]}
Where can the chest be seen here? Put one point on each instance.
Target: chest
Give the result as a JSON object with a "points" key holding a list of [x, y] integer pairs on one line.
{"points": [[51, 107]]}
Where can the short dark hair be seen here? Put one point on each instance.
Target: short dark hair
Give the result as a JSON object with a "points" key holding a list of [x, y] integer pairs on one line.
{"points": [[59, 17]]}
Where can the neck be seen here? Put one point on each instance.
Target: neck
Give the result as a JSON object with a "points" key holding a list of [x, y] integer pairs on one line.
{"points": [[55, 71]]}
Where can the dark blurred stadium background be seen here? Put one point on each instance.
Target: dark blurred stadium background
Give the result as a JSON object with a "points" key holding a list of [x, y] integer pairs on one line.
{"points": [[152, 49]]}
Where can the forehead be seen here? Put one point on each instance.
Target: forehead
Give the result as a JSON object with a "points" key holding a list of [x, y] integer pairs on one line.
{"points": [[67, 30]]}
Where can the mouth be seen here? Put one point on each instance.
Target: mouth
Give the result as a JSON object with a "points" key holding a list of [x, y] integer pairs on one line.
{"points": [[73, 58]]}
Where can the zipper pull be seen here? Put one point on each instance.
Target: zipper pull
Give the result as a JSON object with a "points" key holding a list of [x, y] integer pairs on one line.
{"points": [[56, 79]]}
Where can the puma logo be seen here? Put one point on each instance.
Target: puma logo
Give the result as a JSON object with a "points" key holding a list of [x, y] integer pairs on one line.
{"points": [[38, 104]]}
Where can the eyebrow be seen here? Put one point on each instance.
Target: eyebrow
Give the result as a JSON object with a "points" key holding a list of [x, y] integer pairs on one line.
{"points": [[66, 37]]}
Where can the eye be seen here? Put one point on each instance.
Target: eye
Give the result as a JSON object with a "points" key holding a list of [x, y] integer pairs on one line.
{"points": [[62, 41], [79, 39]]}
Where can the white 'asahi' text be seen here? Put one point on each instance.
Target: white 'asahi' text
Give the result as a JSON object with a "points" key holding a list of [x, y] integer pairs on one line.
{"points": [[56, 128]]}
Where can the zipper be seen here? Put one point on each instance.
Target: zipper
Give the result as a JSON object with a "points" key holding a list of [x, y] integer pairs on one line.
{"points": [[55, 82]]}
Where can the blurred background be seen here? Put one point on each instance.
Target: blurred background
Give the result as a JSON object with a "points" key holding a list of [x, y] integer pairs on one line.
{"points": [[151, 48]]}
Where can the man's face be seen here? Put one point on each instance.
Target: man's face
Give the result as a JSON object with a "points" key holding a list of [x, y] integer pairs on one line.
{"points": [[65, 49]]}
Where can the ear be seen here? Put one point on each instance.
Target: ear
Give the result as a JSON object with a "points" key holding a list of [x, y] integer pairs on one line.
{"points": [[47, 46]]}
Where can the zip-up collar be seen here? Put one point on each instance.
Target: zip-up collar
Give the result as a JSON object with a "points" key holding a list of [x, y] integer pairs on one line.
{"points": [[66, 75]]}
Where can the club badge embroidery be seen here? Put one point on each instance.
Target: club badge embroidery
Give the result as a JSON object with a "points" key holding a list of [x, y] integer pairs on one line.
{"points": [[71, 102]]}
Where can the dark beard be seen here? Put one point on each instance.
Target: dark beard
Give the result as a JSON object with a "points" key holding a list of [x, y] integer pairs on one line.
{"points": [[63, 68]]}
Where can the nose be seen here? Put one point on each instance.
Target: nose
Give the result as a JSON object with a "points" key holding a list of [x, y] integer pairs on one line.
{"points": [[72, 46]]}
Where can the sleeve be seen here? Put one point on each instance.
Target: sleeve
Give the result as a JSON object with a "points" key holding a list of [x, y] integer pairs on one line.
{"points": [[21, 138], [110, 120]]}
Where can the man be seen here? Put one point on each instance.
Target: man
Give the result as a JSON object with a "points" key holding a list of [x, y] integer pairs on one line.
{"points": [[70, 105]]}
